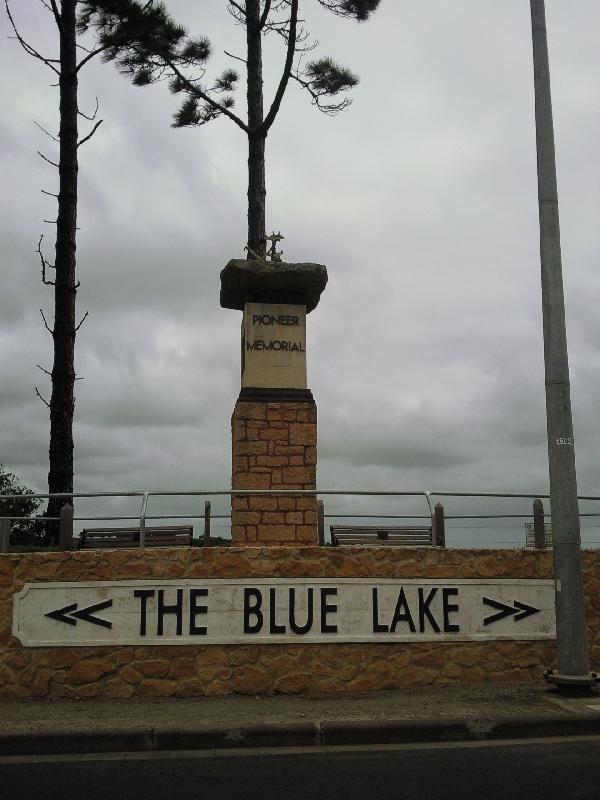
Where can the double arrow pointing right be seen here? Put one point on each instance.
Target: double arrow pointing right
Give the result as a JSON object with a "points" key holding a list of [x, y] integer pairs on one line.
{"points": [[520, 610]]}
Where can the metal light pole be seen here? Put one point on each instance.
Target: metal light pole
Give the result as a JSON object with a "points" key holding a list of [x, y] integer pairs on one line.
{"points": [[573, 664]]}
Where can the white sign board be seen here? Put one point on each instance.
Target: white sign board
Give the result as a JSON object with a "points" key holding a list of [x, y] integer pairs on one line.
{"points": [[265, 611]]}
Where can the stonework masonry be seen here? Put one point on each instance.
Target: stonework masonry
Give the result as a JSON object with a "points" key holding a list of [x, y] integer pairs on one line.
{"points": [[274, 446], [195, 670]]}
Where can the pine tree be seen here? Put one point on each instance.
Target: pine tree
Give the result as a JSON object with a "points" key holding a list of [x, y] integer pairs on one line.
{"points": [[148, 46], [64, 330]]}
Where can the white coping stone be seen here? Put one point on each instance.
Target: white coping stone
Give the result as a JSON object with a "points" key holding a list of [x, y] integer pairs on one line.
{"points": [[257, 611], [274, 346]]}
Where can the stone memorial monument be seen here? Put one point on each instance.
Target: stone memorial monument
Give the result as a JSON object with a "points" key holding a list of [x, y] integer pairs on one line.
{"points": [[274, 423]]}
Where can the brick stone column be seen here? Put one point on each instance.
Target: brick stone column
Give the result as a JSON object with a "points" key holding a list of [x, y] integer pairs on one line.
{"points": [[274, 423], [274, 447]]}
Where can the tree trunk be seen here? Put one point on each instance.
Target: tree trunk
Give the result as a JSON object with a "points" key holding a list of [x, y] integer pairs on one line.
{"points": [[62, 402], [256, 140]]}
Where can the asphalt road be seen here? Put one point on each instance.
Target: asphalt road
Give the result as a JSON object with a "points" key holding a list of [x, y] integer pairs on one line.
{"points": [[565, 769]]}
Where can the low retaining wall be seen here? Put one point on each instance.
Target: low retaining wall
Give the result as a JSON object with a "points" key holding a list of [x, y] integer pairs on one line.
{"points": [[126, 671]]}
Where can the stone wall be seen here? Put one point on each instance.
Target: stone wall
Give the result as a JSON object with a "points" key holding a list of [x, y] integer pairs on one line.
{"points": [[125, 671], [274, 447]]}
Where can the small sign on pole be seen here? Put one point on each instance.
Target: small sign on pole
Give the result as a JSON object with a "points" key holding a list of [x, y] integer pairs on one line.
{"points": [[530, 534]]}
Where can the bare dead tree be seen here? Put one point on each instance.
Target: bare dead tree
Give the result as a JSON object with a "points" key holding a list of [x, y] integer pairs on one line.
{"points": [[61, 406]]}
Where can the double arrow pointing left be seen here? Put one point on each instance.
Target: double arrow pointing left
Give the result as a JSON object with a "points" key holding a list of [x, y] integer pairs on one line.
{"points": [[70, 614]]}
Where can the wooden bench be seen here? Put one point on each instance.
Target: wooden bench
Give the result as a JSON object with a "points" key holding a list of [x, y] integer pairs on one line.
{"points": [[163, 536], [414, 536]]}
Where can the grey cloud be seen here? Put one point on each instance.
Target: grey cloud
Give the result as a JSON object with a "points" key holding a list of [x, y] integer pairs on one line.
{"points": [[425, 354]]}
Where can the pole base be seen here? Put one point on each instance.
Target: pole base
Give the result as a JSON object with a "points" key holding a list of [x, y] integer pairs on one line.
{"points": [[572, 684]]}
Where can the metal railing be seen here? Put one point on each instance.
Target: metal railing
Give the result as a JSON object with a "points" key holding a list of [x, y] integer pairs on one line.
{"points": [[436, 514]]}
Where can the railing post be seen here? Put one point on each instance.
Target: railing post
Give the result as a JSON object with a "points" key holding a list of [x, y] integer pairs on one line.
{"points": [[207, 523], [439, 526], [4, 535], [427, 496], [539, 528], [143, 520], [65, 532], [321, 522]]}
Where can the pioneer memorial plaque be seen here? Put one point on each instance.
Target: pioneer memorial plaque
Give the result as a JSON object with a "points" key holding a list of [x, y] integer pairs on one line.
{"points": [[274, 346]]}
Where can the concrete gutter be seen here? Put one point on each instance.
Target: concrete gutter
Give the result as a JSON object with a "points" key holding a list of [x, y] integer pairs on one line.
{"points": [[297, 734], [473, 713]]}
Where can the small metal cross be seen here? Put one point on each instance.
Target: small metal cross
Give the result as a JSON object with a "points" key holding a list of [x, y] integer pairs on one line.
{"points": [[274, 238]]}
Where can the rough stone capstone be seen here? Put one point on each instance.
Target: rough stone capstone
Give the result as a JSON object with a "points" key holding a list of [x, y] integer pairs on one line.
{"points": [[271, 282]]}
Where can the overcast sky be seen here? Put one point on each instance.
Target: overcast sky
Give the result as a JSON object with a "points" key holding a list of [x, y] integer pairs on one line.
{"points": [[425, 354]]}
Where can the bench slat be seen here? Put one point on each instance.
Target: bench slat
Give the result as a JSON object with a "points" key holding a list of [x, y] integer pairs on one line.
{"points": [[349, 536], [374, 535], [387, 544], [418, 537], [377, 528], [161, 536]]}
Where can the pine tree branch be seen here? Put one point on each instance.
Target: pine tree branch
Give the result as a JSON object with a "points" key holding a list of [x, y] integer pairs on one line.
{"points": [[144, 55], [44, 264], [43, 130], [353, 9], [44, 370], [48, 328], [237, 58], [89, 57], [239, 8], [49, 62], [50, 194], [90, 134], [194, 90], [287, 69], [91, 117], [83, 319], [265, 14], [302, 35], [43, 399], [41, 155], [56, 13], [331, 109]]}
